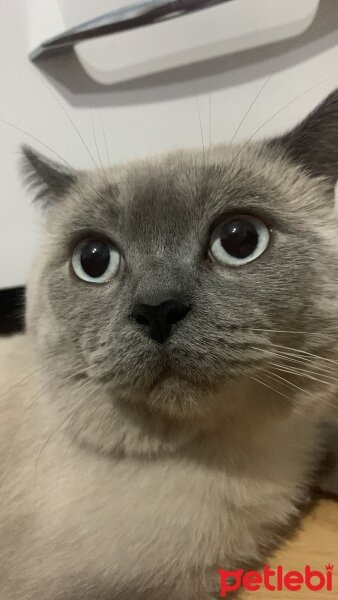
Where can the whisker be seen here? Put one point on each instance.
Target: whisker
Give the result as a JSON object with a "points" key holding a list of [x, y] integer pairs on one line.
{"points": [[301, 359], [304, 373], [269, 386], [106, 145], [36, 139], [330, 360], [34, 398], [96, 146], [201, 129], [313, 87], [250, 107], [305, 362], [49, 438], [293, 46], [209, 123], [285, 331], [297, 353], [293, 385], [66, 113], [18, 424], [17, 383], [63, 422]]}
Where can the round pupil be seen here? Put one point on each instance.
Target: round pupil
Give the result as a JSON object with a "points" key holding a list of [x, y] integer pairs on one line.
{"points": [[95, 257], [239, 238]]}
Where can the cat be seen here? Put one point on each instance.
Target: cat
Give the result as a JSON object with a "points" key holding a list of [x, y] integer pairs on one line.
{"points": [[162, 418]]}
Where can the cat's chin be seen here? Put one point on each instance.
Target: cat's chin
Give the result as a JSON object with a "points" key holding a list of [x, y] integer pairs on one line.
{"points": [[158, 423], [157, 413], [176, 397]]}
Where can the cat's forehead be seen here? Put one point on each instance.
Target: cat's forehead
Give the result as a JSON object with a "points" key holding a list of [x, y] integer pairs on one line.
{"points": [[186, 183], [180, 194], [178, 190]]}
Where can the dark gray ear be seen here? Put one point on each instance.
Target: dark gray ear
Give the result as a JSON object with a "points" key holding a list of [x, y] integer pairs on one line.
{"points": [[47, 178], [314, 142]]}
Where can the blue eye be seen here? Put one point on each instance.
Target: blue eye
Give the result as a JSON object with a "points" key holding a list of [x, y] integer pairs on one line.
{"points": [[96, 261], [239, 240]]}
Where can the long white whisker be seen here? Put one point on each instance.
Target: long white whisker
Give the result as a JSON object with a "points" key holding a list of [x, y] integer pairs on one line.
{"points": [[305, 362], [302, 360], [209, 128], [95, 142], [295, 45], [304, 373], [36, 139], [293, 385], [285, 331], [17, 383], [66, 113], [27, 408], [269, 386], [250, 107], [106, 145], [61, 424], [296, 353], [201, 129], [313, 87], [335, 362]]}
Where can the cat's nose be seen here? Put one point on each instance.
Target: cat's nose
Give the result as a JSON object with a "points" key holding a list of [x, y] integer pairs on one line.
{"points": [[157, 320]]}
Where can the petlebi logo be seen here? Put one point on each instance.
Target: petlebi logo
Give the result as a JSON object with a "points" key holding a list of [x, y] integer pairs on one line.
{"points": [[276, 580]]}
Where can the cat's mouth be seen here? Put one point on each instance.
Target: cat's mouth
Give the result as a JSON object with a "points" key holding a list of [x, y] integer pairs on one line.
{"points": [[162, 372], [176, 372], [158, 367]]}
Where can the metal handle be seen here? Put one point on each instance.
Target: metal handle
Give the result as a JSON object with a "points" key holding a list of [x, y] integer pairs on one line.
{"points": [[134, 15]]}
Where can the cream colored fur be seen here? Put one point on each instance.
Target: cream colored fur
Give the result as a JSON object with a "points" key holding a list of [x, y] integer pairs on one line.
{"points": [[126, 528]]}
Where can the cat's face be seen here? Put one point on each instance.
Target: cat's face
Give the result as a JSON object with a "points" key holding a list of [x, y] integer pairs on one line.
{"points": [[164, 281]]}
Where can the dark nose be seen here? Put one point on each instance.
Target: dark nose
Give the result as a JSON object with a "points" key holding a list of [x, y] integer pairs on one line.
{"points": [[157, 320]]}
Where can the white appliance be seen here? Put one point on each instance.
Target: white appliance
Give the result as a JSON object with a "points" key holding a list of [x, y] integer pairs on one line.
{"points": [[149, 89]]}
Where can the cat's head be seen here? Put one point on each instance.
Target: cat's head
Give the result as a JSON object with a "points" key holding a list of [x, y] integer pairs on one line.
{"points": [[163, 283]]}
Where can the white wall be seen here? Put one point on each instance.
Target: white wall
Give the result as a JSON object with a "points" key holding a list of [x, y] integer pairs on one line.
{"points": [[155, 112]]}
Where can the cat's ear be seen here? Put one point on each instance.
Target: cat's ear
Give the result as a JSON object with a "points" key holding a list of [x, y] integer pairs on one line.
{"points": [[48, 179], [314, 142]]}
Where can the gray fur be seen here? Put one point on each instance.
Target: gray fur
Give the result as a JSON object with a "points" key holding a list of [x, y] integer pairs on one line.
{"points": [[48, 179], [177, 460], [313, 143]]}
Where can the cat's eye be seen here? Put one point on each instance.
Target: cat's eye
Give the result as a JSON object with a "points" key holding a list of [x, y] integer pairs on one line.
{"points": [[239, 240], [96, 261]]}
